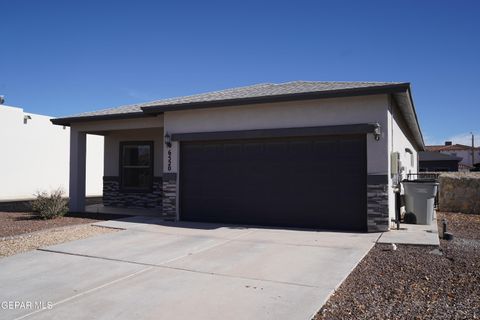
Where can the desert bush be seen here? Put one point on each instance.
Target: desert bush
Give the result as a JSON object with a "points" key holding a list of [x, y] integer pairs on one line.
{"points": [[50, 205]]}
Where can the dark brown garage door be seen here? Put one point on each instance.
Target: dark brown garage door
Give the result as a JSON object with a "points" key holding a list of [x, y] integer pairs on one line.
{"points": [[311, 182]]}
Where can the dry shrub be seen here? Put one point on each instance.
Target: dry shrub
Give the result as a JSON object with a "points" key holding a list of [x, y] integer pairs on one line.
{"points": [[50, 205]]}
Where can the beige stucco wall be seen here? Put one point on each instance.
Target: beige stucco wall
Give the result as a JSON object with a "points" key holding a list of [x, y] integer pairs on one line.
{"points": [[399, 140], [112, 152], [322, 112], [105, 126], [35, 156]]}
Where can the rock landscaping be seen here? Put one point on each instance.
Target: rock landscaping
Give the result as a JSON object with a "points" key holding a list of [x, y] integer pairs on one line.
{"points": [[15, 223], [31, 241], [24, 231], [415, 282]]}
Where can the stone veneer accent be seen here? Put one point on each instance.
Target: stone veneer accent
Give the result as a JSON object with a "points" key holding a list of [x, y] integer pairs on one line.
{"points": [[170, 195], [377, 203], [459, 192], [114, 197]]}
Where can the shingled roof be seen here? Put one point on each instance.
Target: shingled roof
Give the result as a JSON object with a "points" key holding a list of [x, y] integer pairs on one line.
{"points": [[260, 93], [451, 147], [262, 90], [268, 90]]}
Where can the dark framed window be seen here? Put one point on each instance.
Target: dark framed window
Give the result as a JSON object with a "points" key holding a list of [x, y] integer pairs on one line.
{"points": [[136, 166]]}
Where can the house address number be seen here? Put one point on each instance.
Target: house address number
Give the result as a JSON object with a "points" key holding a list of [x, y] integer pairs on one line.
{"points": [[169, 160]]}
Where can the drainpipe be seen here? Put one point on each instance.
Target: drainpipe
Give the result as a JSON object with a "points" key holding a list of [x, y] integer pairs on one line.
{"points": [[397, 192]]}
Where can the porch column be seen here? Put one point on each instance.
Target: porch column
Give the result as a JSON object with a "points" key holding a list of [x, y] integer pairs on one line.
{"points": [[78, 152]]}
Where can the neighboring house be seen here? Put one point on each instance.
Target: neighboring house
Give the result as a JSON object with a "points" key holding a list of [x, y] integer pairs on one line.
{"points": [[35, 156], [431, 161], [296, 154], [458, 150]]}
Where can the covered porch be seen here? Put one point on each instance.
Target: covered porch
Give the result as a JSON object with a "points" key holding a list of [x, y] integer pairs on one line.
{"points": [[133, 166], [103, 209]]}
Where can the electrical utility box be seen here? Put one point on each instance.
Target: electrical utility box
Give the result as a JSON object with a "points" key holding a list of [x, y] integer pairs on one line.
{"points": [[395, 163]]}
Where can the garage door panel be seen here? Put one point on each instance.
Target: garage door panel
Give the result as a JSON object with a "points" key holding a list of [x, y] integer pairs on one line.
{"points": [[315, 182]]}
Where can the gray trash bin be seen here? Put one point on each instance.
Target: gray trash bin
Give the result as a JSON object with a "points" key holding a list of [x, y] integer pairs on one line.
{"points": [[420, 199]]}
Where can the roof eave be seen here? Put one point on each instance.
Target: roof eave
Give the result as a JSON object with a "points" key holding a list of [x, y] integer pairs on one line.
{"points": [[405, 101], [400, 87], [395, 89], [68, 121]]}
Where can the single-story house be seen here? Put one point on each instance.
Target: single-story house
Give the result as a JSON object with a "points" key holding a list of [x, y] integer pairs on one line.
{"points": [[431, 161], [297, 154], [469, 156]]}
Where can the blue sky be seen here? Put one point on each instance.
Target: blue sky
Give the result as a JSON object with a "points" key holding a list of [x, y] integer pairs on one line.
{"points": [[64, 57]]}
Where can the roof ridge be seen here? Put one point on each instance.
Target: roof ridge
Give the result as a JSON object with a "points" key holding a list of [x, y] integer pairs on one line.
{"points": [[340, 82], [258, 85], [111, 108], [259, 90], [171, 98]]}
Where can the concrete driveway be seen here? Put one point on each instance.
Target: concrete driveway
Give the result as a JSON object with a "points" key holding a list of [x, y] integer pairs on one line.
{"points": [[159, 270]]}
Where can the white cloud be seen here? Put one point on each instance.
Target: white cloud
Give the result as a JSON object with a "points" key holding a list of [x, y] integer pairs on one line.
{"points": [[465, 138], [430, 141]]}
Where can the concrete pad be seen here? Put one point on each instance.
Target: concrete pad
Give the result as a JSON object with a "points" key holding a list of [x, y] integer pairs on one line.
{"points": [[155, 224], [297, 264], [50, 277], [179, 295], [312, 238], [137, 246], [182, 270], [265, 254], [413, 234], [100, 208]]}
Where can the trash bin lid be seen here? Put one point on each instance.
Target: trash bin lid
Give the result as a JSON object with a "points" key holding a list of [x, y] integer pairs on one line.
{"points": [[421, 181]]}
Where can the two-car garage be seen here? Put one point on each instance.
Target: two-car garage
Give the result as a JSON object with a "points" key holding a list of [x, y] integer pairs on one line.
{"points": [[302, 154], [314, 181]]}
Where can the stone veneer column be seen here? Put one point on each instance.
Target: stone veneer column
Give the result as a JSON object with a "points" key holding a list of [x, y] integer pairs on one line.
{"points": [[111, 191], [170, 195], [377, 203]]}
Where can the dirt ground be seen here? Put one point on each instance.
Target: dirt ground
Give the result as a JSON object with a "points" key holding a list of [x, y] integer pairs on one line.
{"points": [[415, 282], [16, 223], [31, 241]]}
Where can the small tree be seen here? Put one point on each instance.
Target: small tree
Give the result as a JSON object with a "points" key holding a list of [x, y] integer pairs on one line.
{"points": [[49, 206]]}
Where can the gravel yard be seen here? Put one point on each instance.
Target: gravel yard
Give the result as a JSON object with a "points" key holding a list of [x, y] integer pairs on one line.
{"points": [[415, 282], [31, 241], [15, 223], [23, 231]]}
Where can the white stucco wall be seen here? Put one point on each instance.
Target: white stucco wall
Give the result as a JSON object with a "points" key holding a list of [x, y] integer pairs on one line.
{"points": [[112, 152], [399, 140], [35, 156], [322, 112]]}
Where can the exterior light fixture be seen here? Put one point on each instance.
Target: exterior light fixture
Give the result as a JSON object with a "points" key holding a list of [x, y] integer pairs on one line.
{"points": [[26, 118], [377, 132], [168, 140]]}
